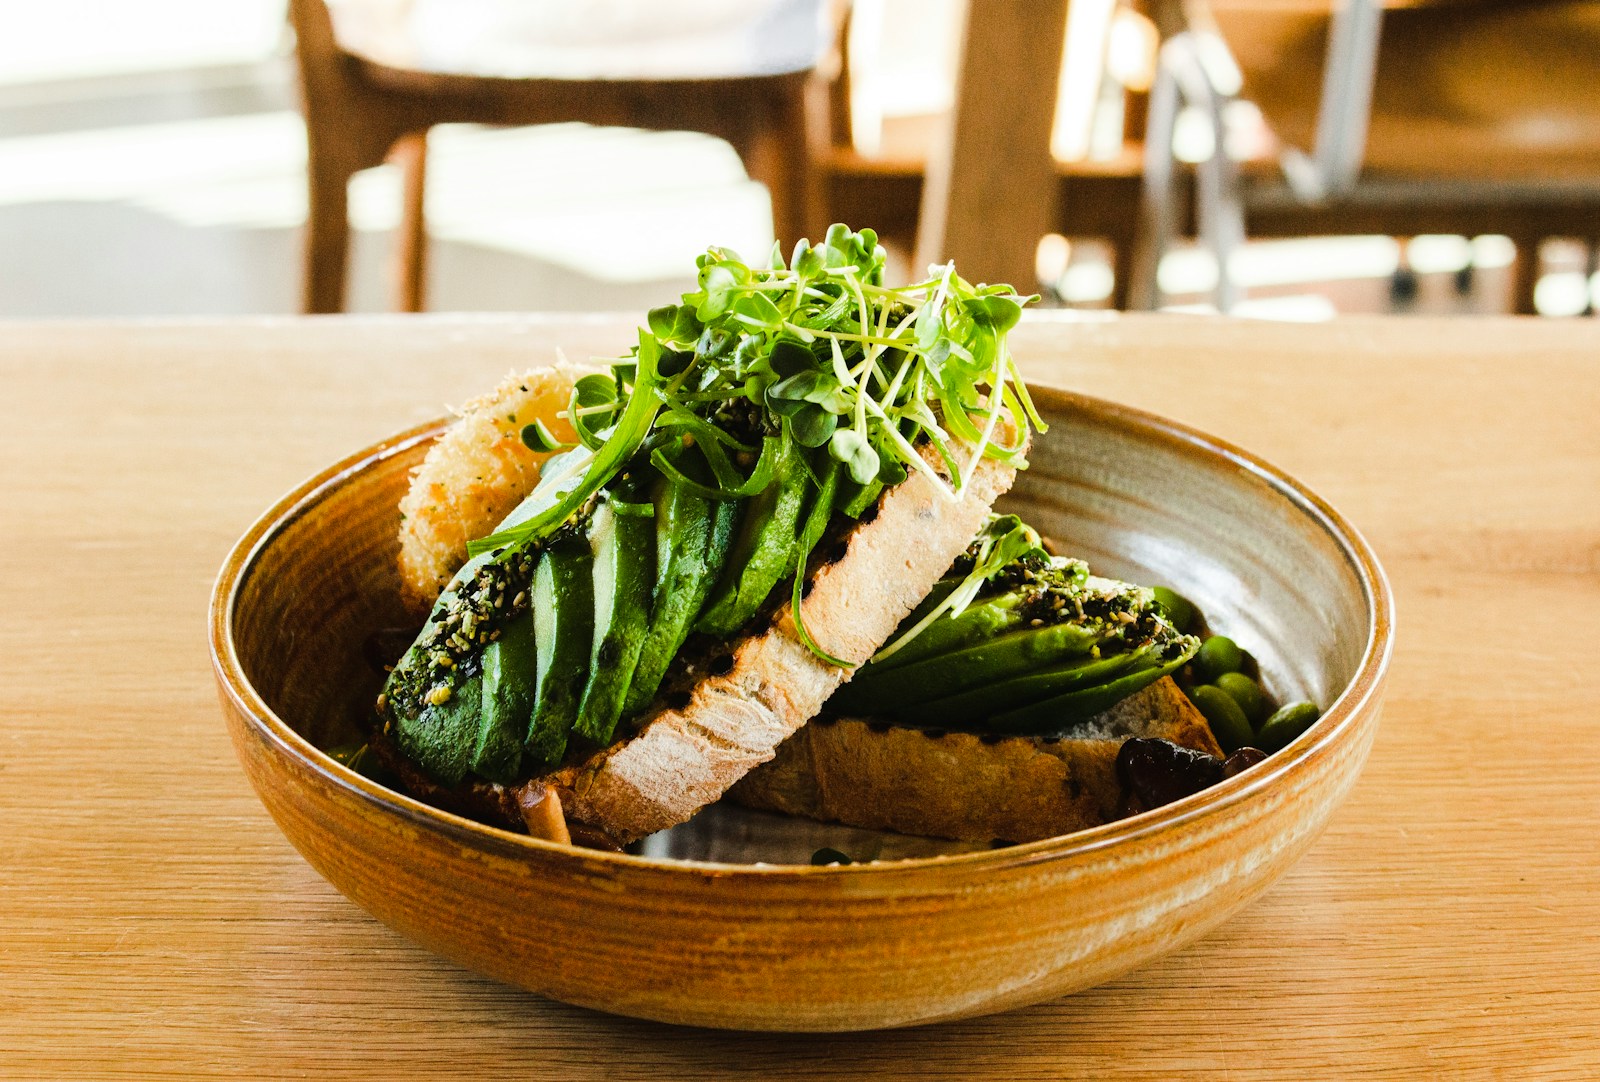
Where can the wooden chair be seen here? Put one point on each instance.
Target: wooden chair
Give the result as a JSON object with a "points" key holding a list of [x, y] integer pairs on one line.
{"points": [[1484, 118], [367, 97], [985, 189]]}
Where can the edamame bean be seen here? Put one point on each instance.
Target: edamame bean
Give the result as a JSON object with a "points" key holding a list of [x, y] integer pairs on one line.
{"points": [[1248, 694], [1287, 724], [1227, 721], [1180, 610], [1218, 654]]}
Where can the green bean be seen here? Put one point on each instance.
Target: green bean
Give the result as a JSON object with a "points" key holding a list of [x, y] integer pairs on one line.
{"points": [[1227, 721], [1218, 654], [1248, 694], [1180, 610], [1285, 726]]}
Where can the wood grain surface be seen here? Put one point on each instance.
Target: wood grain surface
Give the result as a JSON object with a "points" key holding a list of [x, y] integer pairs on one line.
{"points": [[154, 923]]}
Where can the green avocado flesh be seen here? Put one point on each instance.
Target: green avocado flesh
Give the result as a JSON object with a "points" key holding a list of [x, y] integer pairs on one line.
{"points": [[623, 540], [563, 628], [762, 548], [605, 612], [956, 671], [693, 538], [442, 737], [507, 707], [1041, 656]]}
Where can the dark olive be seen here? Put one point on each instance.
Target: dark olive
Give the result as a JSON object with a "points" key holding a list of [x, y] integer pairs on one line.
{"points": [[826, 855], [1157, 772], [1242, 760]]}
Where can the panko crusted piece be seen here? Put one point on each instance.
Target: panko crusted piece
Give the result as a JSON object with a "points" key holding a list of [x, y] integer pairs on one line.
{"points": [[475, 474]]}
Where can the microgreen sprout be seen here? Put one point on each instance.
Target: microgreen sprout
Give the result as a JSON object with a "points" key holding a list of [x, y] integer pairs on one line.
{"points": [[1004, 540], [869, 382]]}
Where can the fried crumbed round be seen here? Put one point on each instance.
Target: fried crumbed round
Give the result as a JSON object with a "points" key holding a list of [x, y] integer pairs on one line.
{"points": [[474, 475]]}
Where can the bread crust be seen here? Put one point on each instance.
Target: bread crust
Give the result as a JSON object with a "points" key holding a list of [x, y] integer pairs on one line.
{"points": [[964, 785]]}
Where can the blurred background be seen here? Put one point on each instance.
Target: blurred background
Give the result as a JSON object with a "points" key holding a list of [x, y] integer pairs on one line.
{"points": [[1272, 158]]}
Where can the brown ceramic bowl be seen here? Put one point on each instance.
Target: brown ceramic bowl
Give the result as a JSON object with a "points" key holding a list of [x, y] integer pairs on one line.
{"points": [[795, 947]]}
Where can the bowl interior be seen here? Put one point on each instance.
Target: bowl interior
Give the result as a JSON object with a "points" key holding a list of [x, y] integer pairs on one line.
{"points": [[1136, 497], [1155, 504]]}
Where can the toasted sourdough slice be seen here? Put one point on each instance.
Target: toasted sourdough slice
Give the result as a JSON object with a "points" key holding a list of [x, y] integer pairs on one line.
{"points": [[768, 683], [967, 786]]}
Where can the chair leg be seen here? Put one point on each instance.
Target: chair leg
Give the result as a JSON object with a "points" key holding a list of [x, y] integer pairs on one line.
{"points": [[1591, 265], [1221, 220], [1158, 217], [1221, 206], [411, 243], [327, 236], [1527, 275], [1122, 259]]}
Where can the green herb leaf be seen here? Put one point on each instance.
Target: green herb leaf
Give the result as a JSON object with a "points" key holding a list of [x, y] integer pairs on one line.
{"points": [[857, 453], [537, 437]]}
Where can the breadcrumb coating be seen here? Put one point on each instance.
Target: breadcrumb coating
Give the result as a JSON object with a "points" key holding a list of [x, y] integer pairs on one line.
{"points": [[475, 474]]}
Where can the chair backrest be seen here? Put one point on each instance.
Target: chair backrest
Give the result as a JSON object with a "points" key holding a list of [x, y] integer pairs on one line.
{"points": [[1331, 49]]}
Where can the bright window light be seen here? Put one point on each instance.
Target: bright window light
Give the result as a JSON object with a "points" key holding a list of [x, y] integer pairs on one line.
{"points": [[46, 40], [1282, 262], [621, 205], [1436, 254], [1301, 308], [1564, 294], [1492, 251], [1051, 257], [1085, 283]]}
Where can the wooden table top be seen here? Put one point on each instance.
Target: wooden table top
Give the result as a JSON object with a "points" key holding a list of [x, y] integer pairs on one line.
{"points": [[153, 921]]}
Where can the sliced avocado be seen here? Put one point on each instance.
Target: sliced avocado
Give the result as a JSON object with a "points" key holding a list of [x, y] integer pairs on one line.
{"points": [[563, 628], [975, 706], [441, 737], [875, 691], [761, 554], [1071, 690], [816, 513], [622, 537], [1058, 713], [693, 538], [508, 694], [975, 624]]}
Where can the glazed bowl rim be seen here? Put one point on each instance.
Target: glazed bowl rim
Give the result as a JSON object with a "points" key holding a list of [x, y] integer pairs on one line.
{"points": [[1335, 723]]}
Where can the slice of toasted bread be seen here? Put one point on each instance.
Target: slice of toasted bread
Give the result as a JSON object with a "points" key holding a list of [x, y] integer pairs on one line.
{"points": [[770, 684], [967, 786], [759, 689]]}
